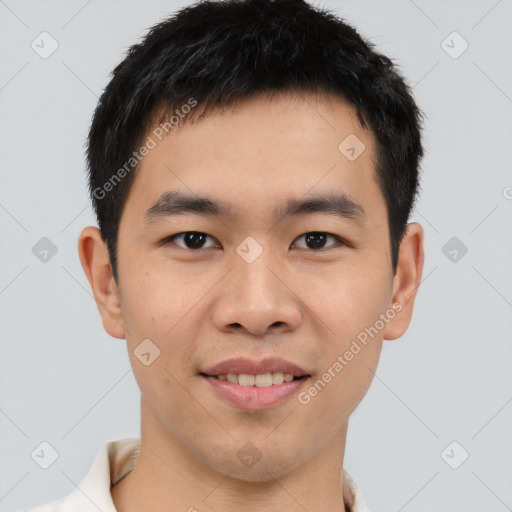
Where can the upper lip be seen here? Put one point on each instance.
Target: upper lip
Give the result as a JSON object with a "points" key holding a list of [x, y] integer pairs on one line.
{"points": [[244, 365]]}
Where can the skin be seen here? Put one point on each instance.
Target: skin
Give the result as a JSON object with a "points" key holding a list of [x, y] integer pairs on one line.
{"points": [[201, 306]]}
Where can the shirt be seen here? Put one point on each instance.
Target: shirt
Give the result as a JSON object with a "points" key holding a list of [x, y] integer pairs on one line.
{"points": [[116, 459]]}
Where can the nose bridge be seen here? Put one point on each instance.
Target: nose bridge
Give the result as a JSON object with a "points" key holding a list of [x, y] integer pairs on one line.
{"points": [[256, 283], [256, 297]]}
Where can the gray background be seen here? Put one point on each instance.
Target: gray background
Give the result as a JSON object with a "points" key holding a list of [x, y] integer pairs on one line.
{"points": [[65, 381]]}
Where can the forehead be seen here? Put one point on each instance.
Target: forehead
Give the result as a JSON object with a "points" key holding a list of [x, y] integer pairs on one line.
{"points": [[262, 150]]}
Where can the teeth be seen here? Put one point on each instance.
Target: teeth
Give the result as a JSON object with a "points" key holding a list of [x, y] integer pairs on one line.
{"points": [[263, 380], [278, 378], [246, 380], [231, 377]]}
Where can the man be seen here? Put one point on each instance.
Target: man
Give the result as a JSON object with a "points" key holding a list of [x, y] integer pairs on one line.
{"points": [[253, 165]]}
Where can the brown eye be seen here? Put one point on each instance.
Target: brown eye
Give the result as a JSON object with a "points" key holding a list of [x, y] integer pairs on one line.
{"points": [[193, 240], [316, 240]]}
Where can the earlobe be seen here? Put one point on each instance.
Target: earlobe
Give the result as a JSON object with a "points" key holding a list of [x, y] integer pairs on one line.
{"points": [[406, 280], [95, 261]]}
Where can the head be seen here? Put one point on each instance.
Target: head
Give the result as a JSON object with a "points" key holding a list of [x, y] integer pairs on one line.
{"points": [[296, 143]]}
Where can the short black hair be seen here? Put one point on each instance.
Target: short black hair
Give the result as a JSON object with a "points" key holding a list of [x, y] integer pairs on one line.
{"points": [[214, 54]]}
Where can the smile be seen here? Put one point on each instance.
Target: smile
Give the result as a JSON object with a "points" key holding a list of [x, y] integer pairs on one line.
{"points": [[255, 392]]}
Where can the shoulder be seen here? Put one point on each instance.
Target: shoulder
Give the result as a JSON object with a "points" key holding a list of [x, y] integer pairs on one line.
{"points": [[113, 460]]}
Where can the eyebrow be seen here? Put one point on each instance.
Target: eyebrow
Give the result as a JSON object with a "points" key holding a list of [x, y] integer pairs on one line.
{"points": [[173, 203]]}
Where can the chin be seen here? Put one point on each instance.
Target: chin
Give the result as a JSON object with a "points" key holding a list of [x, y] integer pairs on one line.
{"points": [[262, 467]]}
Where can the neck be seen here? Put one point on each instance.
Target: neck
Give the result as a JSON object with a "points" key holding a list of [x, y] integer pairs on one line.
{"points": [[169, 477]]}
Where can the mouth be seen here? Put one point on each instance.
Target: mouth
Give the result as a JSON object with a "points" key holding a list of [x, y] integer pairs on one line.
{"points": [[261, 380], [265, 371], [255, 385]]}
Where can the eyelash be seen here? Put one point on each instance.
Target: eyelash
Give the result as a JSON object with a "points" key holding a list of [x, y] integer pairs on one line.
{"points": [[340, 240]]}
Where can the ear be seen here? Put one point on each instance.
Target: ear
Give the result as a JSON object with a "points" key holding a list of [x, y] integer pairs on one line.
{"points": [[96, 264], [406, 280]]}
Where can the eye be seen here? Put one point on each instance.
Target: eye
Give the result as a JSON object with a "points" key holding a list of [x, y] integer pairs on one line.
{"points": [[191, 239], [195, 240], [316, 240]]}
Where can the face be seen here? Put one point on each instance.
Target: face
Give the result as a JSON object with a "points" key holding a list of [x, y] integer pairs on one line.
{"points": [[245, 282]]}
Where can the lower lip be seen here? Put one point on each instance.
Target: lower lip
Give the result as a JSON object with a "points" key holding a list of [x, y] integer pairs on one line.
{"points": [[252, 397]]}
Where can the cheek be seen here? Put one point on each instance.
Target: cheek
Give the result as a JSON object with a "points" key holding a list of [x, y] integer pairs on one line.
{"points": [[346, 298], [350, 355], [351, 308], [153, 302], [161, 308]]}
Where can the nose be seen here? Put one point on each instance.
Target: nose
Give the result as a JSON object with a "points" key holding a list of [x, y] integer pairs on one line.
{"points": [[257, 298]]}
